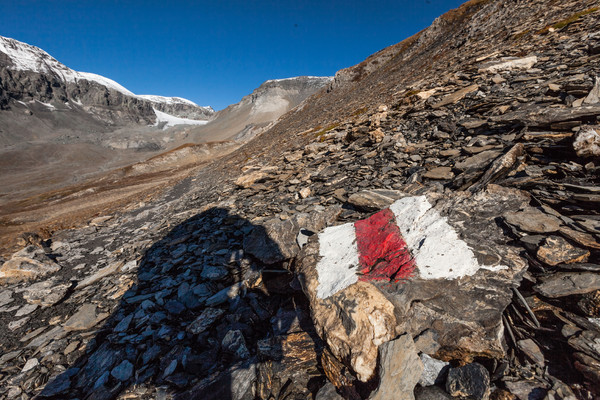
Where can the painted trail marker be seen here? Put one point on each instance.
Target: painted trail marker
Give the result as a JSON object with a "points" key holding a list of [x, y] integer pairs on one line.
{"points": [[408, 239], [445, 270]]}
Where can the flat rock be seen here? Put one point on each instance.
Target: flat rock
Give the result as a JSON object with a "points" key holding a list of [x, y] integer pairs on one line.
{"points": [[438, 263], [84, 319], [581, 238], [478, 161], [456, 96], [27, 264], [235, 344], [533, 220], [532, 351], [568, 283], [45, 293], [273, 241], [439, 173], [399, 369], [471, 381], [556, 250], [205, 320], [509, 64], [375, 199], [6, 297], [123, 371]]}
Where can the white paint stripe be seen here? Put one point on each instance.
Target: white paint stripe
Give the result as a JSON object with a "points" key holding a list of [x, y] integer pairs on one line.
{"points": [[435, 245], [339, 260]]}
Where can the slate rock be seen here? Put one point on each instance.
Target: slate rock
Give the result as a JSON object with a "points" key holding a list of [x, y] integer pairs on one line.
{"points": [[123, 371], [85, 318], [434, 371], [471, 381], [272, 242], [431, 393], [375, 199], [399, 369], [532, 351], [439, 173], [556, 250], [533, 220], [328, 392], [27, 264], [205, 320], [235, 344], [568, 283]]}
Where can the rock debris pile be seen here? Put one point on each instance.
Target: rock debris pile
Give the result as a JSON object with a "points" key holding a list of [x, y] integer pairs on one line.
{"points": [[445, 244]]}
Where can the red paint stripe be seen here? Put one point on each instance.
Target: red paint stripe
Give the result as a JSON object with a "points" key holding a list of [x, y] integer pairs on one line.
{"points": [[383, 253]]}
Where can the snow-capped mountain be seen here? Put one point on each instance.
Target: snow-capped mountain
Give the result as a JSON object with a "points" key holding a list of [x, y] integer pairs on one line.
{"points": [[29, 73]]}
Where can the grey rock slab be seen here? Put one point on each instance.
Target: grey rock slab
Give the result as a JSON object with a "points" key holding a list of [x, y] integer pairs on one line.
{"points": [[55, 333], [229, 293], [26, 310], [273, 241], [328, 392], [123, 324], [30, 364], [85, 318], [456, 283], [374, 199], [439, 173], [527, 390], [568, 283], [471, 381], [6, 297], [214, 272], [533, 220], [434, 371], [235, 344], [45, 293], [431, 393], [532, 351], [14, 325], [102, 273], [205, 320], [594, 96], [399, 369], [478, 161], [123, 371]]}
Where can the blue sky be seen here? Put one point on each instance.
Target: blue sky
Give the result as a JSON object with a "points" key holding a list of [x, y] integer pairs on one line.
{"points": [[213, 53]]}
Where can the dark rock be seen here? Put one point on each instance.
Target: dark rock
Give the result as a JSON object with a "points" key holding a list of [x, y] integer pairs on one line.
{"points": [[471, 381], [556, 250], [568, 283]]}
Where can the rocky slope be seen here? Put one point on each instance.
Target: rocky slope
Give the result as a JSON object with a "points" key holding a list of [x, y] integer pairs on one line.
{"points": [[30, 74], [477, 137], [257, 111]]}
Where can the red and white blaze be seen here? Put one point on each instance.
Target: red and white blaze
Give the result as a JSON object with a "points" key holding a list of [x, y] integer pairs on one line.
{"points": [[406, 240]]}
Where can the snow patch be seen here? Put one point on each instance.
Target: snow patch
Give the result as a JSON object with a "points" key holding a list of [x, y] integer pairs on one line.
{"points": [[172, 120]]}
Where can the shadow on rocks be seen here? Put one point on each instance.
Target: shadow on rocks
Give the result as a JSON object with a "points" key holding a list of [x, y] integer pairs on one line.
{"points": [[205, 320]]}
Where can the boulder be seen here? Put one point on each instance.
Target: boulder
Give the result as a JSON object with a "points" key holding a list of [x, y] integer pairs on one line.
{"points": [[27, 264], [433, 262]]}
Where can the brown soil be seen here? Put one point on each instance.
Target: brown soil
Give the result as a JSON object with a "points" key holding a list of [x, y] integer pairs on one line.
{"points": [[76, 205]]}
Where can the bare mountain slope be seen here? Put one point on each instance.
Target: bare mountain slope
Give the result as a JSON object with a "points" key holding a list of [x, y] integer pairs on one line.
{"points": [[258, 110], [427, 227]]}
